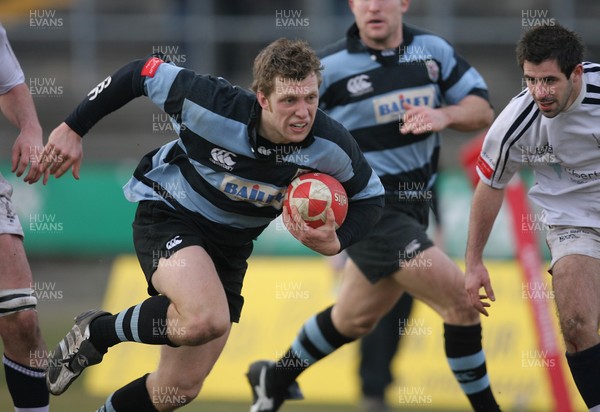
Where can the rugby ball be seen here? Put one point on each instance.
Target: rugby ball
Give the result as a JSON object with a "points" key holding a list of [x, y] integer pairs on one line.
{"points": [[313, 194]]}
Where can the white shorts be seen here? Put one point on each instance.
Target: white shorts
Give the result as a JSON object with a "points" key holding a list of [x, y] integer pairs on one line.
{"points": [[9, 221], [572, 240]]}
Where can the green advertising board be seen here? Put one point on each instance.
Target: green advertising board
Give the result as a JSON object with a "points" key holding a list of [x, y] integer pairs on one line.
{"points": [[91, 216]]}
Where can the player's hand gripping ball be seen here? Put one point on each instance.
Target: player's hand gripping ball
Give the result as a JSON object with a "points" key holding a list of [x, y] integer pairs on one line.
{"points": [[313, 194]]}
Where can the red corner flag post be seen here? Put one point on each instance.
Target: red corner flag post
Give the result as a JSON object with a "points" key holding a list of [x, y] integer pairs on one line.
{"points": [[528, 256]]}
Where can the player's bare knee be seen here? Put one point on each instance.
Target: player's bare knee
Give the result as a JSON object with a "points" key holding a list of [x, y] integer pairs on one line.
{"points": [[202, 329], [578, 331]]}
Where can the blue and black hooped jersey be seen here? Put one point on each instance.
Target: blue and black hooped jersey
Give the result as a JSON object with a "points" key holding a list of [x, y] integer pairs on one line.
{"points": [[220, 168], [364, 89]]}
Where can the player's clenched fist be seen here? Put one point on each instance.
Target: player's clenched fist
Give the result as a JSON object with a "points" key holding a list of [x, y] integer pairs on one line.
{"points": [[63, 151], [322, 240]]}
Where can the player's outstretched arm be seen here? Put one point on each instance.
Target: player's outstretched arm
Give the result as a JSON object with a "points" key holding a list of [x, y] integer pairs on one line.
{"points": [[63, 151], [470, 114], [64, 148], [484, 210]]}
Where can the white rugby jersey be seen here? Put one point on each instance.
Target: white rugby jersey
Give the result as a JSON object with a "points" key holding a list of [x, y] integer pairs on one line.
{"points": [[10, 70], [564, 153]]}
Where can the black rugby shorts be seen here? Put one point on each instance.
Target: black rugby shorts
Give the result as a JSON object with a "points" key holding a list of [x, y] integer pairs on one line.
{"points": [[398, 237], [159, 231]]}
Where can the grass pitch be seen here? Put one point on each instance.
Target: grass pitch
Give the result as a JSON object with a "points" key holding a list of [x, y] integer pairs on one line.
{"points": [[55, 324]]}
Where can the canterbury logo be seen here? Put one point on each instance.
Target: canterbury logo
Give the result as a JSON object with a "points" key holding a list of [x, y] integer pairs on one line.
{"points": [[359, 85], [174, 242], [223, 158], [98, 89]]}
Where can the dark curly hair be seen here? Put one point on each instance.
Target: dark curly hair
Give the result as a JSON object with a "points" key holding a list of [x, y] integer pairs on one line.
{"points": [[288, 59], [549, 42]]}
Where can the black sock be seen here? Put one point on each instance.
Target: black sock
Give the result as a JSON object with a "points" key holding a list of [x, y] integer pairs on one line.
{"points": [[132, 397], [27, 386], [146, 323], [585, 368], [317, 339], [467, 361]]}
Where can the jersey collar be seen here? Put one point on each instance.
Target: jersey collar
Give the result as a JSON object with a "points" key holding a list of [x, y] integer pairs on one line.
{"points": [[354, 44], [265, 149]]}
